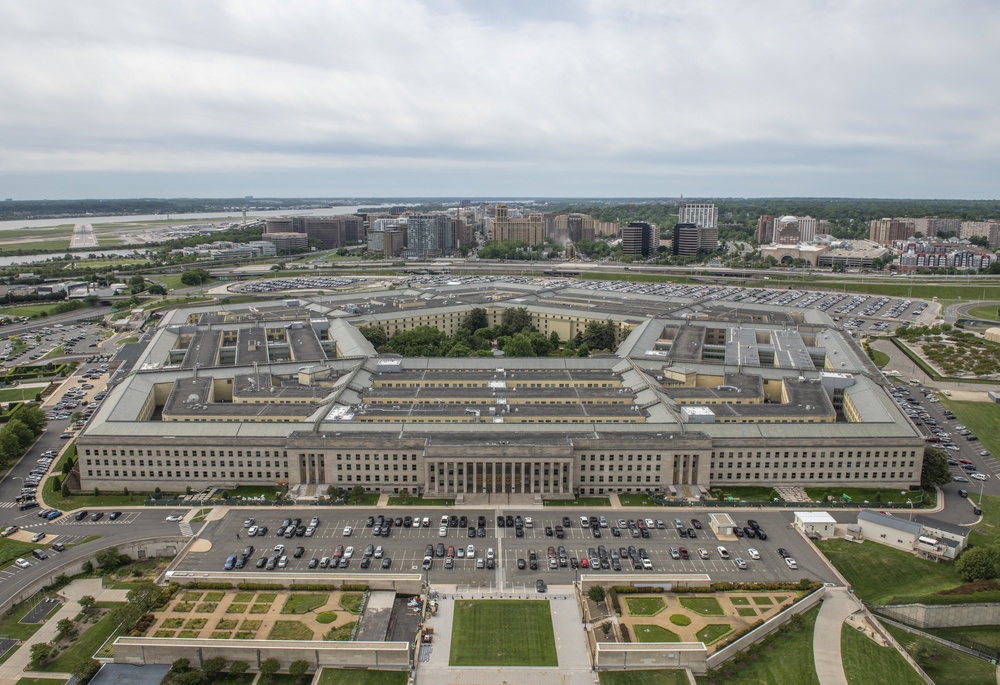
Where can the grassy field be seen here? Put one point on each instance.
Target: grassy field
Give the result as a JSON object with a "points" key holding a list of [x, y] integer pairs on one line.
{"points": [[981, 418], [782, 659], [986, 311], [55, 500], [502, 633], [40, 681], [18, 394], [579, 502], [654, 633], [944, 292], [880, 358], [703, 606], [863, 659], [82, 648], [743, 493], [645, 606], [12, 549], [987, 635], [945, 666], [986, 531], [28, 310], [636, 499], [57, 351], [12, 627], [413, 501], [303, 604], [860, 495], [35, 246], [332, 676], [643, 678], [883, 575]]}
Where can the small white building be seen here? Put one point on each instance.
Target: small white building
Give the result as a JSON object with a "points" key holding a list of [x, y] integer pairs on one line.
{"points": [[924, 536], [721, 523], [815, 523]]}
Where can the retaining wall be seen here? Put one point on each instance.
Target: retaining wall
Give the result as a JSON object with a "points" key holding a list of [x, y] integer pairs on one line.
{"points": [[943, 616]]}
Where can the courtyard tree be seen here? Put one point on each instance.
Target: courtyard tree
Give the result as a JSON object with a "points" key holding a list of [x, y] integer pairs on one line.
{"points": [[238, 668], [596, 593], [298, 668], [85, 669], [212, 667], [935, 470], [268, 668]]}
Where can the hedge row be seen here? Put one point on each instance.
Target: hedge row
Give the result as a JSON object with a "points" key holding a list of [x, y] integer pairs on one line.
{"points": [[632, 590]]}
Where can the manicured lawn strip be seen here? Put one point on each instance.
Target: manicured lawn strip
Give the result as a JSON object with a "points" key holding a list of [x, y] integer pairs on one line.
{"points": [[636, 499], [303, 604], [747, 493], [740, 601], [290, 630], [502, 633], [703, 606], [762, 601], [230, 679], [40, 681], [351, 602], [782, 659], [12, 549], [333, 676], [18, 394], [986, 311], [243, 597], [861, 495], [878, 574], [713, 632], [654, 633], [880, 358], [643, 678], [945, 666], [417, 502], [987, 635], [83, 647], [645, 606], [863, 659], [746, 612], [578, 502]]}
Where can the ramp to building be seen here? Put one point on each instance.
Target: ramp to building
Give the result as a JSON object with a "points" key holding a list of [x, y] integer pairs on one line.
{"points": [[377, 616]]}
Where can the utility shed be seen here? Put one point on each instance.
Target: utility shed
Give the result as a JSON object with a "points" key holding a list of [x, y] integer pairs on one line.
{"points": [[722, 524], [815, 523]]}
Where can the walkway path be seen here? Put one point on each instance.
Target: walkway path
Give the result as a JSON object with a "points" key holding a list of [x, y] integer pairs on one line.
{"points": [[837, 606], [571, 650], [12, 670]]}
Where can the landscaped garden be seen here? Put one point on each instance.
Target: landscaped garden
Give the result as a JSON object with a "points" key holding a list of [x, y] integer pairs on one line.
{"points": [[249, 615], [502, 633]]}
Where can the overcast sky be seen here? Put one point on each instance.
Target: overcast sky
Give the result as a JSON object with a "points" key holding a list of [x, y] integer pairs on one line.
{"points": [[596, 98]]}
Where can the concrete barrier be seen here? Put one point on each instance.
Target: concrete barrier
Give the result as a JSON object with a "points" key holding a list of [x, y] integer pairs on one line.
{"points": [[401, 583], [627, 656], [942, 616]]}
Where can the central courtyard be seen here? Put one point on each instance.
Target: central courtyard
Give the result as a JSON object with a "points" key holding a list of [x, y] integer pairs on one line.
{"points": [[502, 633]]}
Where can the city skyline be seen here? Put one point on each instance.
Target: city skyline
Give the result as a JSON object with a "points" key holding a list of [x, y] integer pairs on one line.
{"points": [[573, 99]]}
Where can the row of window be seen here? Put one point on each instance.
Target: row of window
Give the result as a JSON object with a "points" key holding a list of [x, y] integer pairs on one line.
{"points": [[813, 465], [177, 462], [108, 473], [846, 475], [255, 454]]}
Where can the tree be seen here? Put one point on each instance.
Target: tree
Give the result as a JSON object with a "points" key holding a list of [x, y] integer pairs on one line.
{"points": [[596, 593], [191, 678], [238, 668], [357, 491], [40, 652], [978, 563], [76, 417], [213, 666], [180, 665], [109, 559], [156, 289], [935, 470], [519, 346], [375, 335], [63, 628], [86, 669], [56, 484], [600, 335], [298, 668], [268, 667], [65, 491], [87, 603], [33, 417], [476, 319], [136, 284], [516, 320]]}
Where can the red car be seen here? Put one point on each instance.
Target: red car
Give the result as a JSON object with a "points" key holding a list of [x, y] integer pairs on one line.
{"points": [[964, 461], [584, 563]]}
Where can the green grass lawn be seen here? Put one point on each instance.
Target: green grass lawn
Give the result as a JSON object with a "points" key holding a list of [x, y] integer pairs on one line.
{"points": [[880, 358], [860, 495], [636, 499], [713, 632], [945, 666], [883, 575], [230, 679], [863, 659], [981, 418], [303, 604], [579, 502], [781, 659], [986, 311], [333, 676], [28, 247], [290, 630], [654, 633], [40, 681], [351, 602], [18, 394], [986, 635], [255, 491], [502, 633], [413, 501], [55, 500], [645, 606], [12, 549], [744, 493], [643, 678], [12, 627], [703, 606], [83, 647]]}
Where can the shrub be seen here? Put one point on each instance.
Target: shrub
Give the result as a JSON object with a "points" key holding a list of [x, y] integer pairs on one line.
{"points": [[680, 620], [326, 617], [623, 629], [596, 594]]}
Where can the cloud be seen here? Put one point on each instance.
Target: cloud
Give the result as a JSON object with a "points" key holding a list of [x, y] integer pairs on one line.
{"points": [[600, 94]]}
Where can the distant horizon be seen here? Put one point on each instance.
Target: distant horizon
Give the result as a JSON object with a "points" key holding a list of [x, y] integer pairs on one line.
{"points": [[358, 199]]}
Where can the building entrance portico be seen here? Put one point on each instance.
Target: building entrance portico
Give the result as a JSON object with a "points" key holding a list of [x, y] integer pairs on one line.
{"points": [[500, 475]]}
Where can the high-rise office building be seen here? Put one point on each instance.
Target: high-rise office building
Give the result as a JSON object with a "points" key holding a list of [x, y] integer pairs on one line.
{"points": [[429, 235], [765, 230], [686, 240], [703, 216], [885, 231], [530, 230], [640, 238]]}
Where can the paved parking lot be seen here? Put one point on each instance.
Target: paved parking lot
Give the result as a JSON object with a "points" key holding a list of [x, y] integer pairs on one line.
{"points": [[405, 546]]}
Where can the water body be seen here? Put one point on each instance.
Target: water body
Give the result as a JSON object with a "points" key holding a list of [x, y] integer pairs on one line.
{"points": [[233, 216], [180, 218]]}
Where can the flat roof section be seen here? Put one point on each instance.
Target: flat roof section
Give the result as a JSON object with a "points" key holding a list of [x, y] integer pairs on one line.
{"points": [[304, 345], [203, 350], [251, 346]]}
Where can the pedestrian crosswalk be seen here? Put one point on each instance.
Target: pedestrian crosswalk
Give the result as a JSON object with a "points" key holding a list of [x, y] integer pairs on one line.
{"points": [[8, 505], [186, 528]]}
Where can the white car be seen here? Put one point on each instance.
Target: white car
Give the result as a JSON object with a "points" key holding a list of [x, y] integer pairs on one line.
{"points": [[978, 476], [443, 531], [174, 518], [347, 531], [754, 554], [349, 553], [252, 531], [22, 563], [470, 551]]}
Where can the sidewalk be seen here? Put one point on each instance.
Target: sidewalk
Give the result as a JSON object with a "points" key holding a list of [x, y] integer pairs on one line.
{"points": [[837, 606], [14, 668]]}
